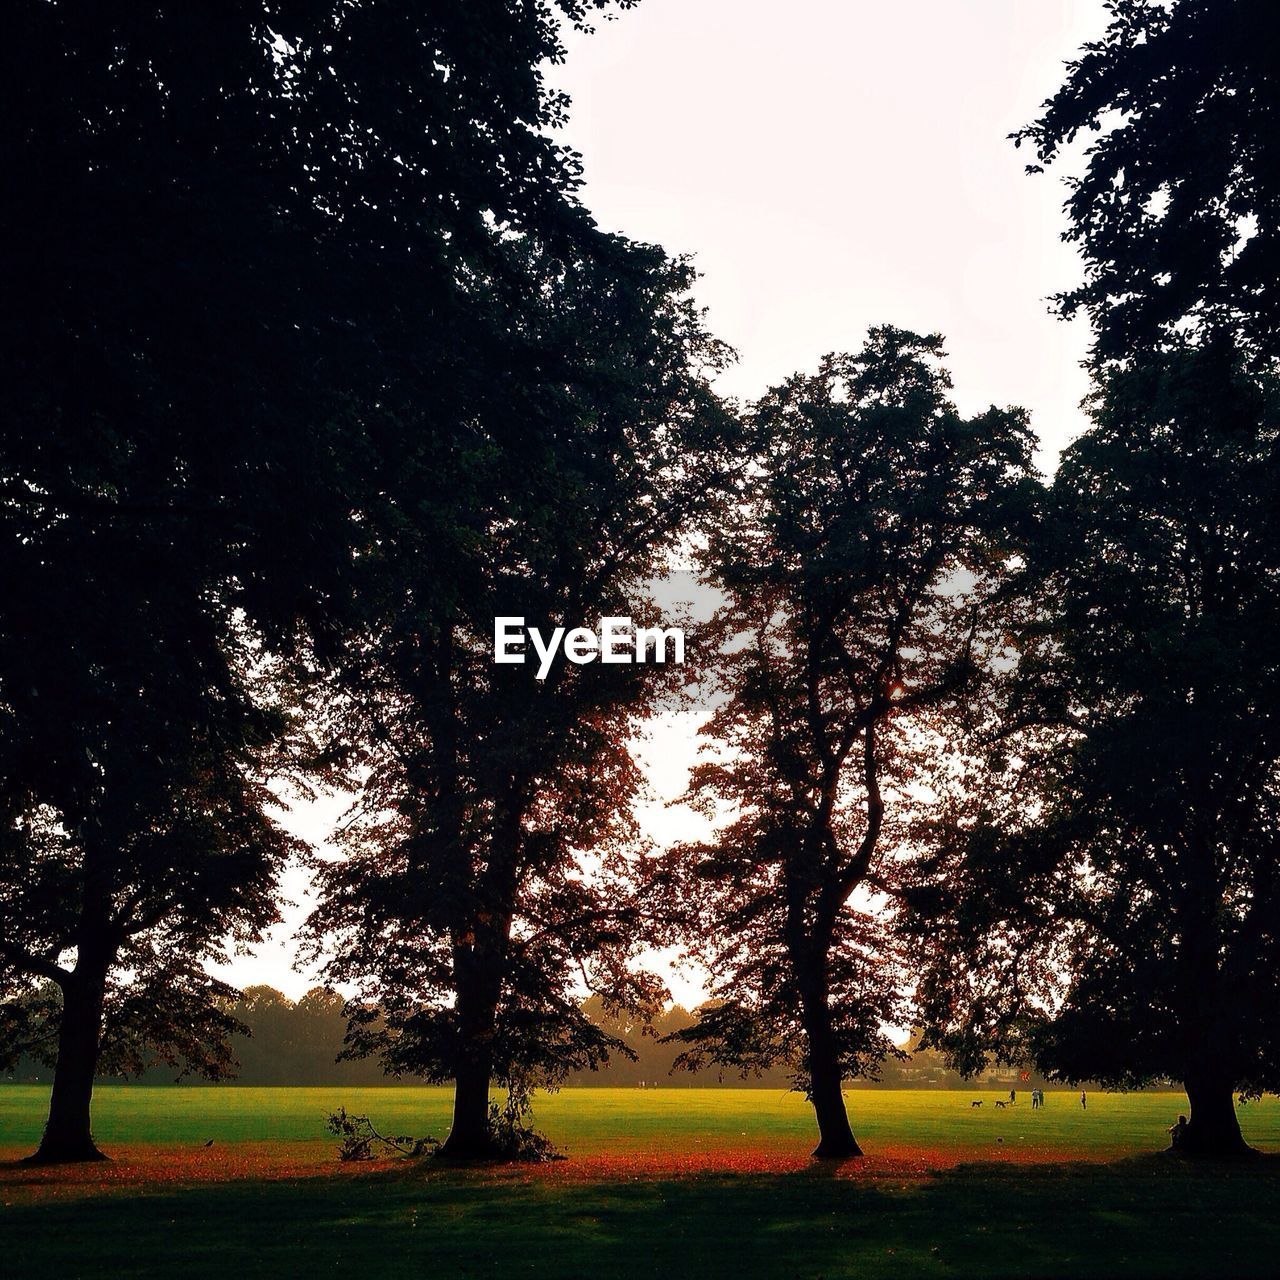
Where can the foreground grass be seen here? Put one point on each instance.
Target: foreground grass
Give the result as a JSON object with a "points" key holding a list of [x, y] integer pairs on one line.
{"points": [[1138, 1219], [1063, 1201]]}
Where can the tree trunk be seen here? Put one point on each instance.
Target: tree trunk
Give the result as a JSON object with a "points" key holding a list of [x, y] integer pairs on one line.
{"points": [[68, 1135], [480, 961], [1213, 1131], [835, 1137], [1207, 1011], [469, 1137], [477, 990]]}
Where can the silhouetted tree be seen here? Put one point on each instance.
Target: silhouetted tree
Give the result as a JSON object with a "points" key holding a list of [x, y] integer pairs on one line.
{"points": [[859, 577], [255, 257], [465, 910], [1122, 902], [1177, 212], [138, 718], [135, 844]]}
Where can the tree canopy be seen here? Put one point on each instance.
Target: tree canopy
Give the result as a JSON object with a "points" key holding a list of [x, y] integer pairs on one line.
{"points": [[260, 258], [1137, 863], [486, 875], [1177, 211], [859, 573]]}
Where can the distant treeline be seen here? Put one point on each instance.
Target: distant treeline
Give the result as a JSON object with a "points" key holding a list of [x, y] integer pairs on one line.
{"points": [[654, 1064], [300, 1042]]}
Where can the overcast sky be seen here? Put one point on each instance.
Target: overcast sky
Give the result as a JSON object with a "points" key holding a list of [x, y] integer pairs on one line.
{"points": [[832, 164], [829, 164]]}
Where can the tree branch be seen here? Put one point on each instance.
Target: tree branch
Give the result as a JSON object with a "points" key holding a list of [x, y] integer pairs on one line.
{"points": [[33, 964]]}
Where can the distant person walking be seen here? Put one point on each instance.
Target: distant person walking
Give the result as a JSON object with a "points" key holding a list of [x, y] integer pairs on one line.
{"points": [[1084, 1101], [1013, 1096]]}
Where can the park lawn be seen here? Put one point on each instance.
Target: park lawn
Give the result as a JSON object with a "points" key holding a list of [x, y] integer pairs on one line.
{"points": [[645, 1191], [624, 1121]]}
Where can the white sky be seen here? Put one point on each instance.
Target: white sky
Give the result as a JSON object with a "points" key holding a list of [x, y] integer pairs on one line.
{"points": [[830, 164]]}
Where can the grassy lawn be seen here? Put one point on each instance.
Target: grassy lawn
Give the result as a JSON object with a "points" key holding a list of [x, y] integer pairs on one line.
{"points": [[947, 1190], [625, 1120]]}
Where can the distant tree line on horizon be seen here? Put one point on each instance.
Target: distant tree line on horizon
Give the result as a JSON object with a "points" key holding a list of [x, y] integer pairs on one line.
{"points": [[313, 363], [284, 1042]]}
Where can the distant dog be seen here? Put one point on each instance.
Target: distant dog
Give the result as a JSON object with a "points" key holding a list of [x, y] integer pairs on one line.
{"points": [[975, 1104], [1002, 1105]]}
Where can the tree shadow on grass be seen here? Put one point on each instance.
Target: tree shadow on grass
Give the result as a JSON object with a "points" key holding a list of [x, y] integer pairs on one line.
{"points": [[1134, 1218]]}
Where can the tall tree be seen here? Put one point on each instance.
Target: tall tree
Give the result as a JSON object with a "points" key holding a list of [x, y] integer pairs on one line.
{"points": [[859, 578], [136, 839], [465, 910], [1177, 212], [254, 255], [1134, 880], [485, 877]]}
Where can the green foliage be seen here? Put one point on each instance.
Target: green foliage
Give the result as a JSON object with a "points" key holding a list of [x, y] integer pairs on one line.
{"points": [[511, 1132], [465, 911], [294, 285], [512, 1136]]}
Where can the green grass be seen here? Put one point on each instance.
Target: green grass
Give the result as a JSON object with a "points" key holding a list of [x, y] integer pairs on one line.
{"points": [[1134, 1215], [621, 1120], [1042, 1222]]}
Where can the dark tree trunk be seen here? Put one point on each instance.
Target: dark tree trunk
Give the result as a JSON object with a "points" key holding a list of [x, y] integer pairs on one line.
{"points": [[469, 1137], [478, 988], [1206, 1024], [835, 1137], [68, 1136], [1213, 1131]]}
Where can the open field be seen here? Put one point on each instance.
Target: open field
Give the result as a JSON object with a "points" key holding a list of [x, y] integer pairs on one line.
{"points": [[659, 1182], [627, 1121]]}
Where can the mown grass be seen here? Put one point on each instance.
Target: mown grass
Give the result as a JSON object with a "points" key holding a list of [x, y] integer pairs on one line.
{"points": [[1091, 1210], [1138, 1219], [624, 1120]]}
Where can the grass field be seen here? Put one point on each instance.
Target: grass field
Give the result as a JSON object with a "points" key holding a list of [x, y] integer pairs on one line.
{"points": [[669, 1183]]}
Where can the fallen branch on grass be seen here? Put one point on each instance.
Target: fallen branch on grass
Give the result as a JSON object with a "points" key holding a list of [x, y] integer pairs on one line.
{"points": [[361, 1141]]}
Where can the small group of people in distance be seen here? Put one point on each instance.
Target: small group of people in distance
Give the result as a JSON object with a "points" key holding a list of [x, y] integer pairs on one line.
{"points": [[1037, 1100]]}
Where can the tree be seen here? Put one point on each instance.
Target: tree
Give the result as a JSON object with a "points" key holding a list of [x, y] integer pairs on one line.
{"points": [[486, 867], [1176, 211], [1143, 748], [136, 841], [288, 1042], [655, 1047], [859, 580], [255, 256], [138, 720]]}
